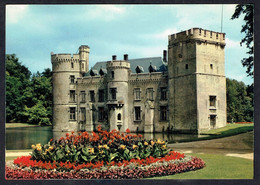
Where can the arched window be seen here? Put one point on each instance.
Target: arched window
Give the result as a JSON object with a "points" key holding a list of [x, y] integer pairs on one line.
{"points": [[119, 116]]}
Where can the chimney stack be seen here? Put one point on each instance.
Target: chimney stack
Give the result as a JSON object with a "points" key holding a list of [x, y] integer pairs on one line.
{"points": [[113, 57], [165, 55], [125, 57]]}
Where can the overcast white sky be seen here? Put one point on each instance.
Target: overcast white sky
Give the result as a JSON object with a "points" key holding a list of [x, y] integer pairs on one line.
{"points": [[34, 31]]}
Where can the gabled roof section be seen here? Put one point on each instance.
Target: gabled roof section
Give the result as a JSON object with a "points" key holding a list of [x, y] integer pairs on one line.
{"points": [[156, 62]]}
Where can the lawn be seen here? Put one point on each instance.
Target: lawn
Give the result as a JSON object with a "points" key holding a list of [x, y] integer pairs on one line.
{"points": [[218, 167], [14, 125], [228, 130]]}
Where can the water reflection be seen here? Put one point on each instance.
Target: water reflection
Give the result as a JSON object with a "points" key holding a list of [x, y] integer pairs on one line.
{"points": [[23, 138]]}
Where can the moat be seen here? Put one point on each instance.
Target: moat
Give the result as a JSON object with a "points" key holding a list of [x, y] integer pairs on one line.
{"points": [[23, 138]]}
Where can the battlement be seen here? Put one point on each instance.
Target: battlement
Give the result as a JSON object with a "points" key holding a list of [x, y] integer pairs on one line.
{"points": [[118, 64], [197, 34], [64, 57]]}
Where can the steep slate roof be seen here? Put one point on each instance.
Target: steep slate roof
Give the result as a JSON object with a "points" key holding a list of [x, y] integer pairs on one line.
{"points": [[144, 62]]}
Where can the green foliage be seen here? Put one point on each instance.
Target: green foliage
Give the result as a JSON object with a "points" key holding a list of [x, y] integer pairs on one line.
{"points": [[86, 148], [239, 102], [28, 99], [248, 28]]}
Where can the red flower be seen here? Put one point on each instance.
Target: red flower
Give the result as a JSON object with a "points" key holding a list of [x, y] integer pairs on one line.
{"points": [[128, 130]]}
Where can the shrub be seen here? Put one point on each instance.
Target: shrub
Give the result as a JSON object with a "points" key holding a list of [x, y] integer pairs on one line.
{"points": [[101, 146]]}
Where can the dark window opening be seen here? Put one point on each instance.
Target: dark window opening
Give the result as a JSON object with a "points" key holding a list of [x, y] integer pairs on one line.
{"points": [[211, 66], [163, 93], [72, 113], [187, 66], [92, 96], [113, 93], [72, 95], [101, 114], [119, 117], [72, 79], [212, 101], [101, 95], [212, 121], [72, 65], [112, 74], [83, 96], [163, 113], [137, 113]]}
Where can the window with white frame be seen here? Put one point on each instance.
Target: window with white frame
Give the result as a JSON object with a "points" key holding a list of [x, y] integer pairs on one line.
{"points": [[137, 94]]}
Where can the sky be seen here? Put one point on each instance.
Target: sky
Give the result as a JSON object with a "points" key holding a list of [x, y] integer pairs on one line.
{"points": [[34, 31]]}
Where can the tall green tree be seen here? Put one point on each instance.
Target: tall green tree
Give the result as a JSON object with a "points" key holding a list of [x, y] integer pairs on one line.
{"points": [[247, 10], [17, 80], [240, 106], [28, 97]]}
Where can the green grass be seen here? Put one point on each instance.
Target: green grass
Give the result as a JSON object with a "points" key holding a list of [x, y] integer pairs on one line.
{"points": [[231, 129], [14, 125], [228, 130], [218, 167]]}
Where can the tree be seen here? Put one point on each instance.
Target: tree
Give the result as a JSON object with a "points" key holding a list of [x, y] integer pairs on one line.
{"points": [[28, 98], [248, 28], [239, 101]]}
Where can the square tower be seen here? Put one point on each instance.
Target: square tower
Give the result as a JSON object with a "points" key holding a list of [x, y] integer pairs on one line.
{"points": [[197, 83]]}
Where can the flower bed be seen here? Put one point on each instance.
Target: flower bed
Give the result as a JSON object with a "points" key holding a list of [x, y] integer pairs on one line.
{"points": [[101, 155]]}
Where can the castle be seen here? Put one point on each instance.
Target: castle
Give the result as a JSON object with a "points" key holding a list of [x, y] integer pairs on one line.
{"points": [[185, 93]]}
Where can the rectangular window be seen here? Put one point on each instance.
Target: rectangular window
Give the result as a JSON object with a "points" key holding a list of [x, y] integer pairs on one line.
{"points": [[211, 66], [163, 93], [187, 66], [113, 93], [212, 101], [82, 114], [137, 113], [72, 95], [212, 121], [101, 95], [150, 93], [83, 96], [92, 96], [72, 79], [163, 113], [137, 94], [72, 113], [101, 113]]}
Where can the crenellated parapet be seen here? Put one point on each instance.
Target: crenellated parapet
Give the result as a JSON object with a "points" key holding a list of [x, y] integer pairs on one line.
{"points": [[65, 62], [197, 35]]}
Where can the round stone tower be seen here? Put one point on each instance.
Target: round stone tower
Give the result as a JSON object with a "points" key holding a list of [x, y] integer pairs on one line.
{"points": [[66, 69], [118, 71]]}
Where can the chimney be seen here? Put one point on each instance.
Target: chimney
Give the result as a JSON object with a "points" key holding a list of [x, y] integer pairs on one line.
{"points": [[165, 55], [113, 57], [125, 57]]}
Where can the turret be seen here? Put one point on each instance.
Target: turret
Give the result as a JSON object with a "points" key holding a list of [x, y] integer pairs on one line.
{"points": [[84, 59], [118, 71]]}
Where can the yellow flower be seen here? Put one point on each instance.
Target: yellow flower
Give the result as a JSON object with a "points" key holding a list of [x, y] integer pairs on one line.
{"points": [[122, 147], [51, 148], [160, 142], [91, 150], [106, 147], [135, 146], [100, 146], [145, 143], [33, 146], [39, 148], [68, 151], [152, 142], [164, 147]]}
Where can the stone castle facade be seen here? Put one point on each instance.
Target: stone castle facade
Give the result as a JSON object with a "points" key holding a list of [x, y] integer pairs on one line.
{"points": [[185, 93]]}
